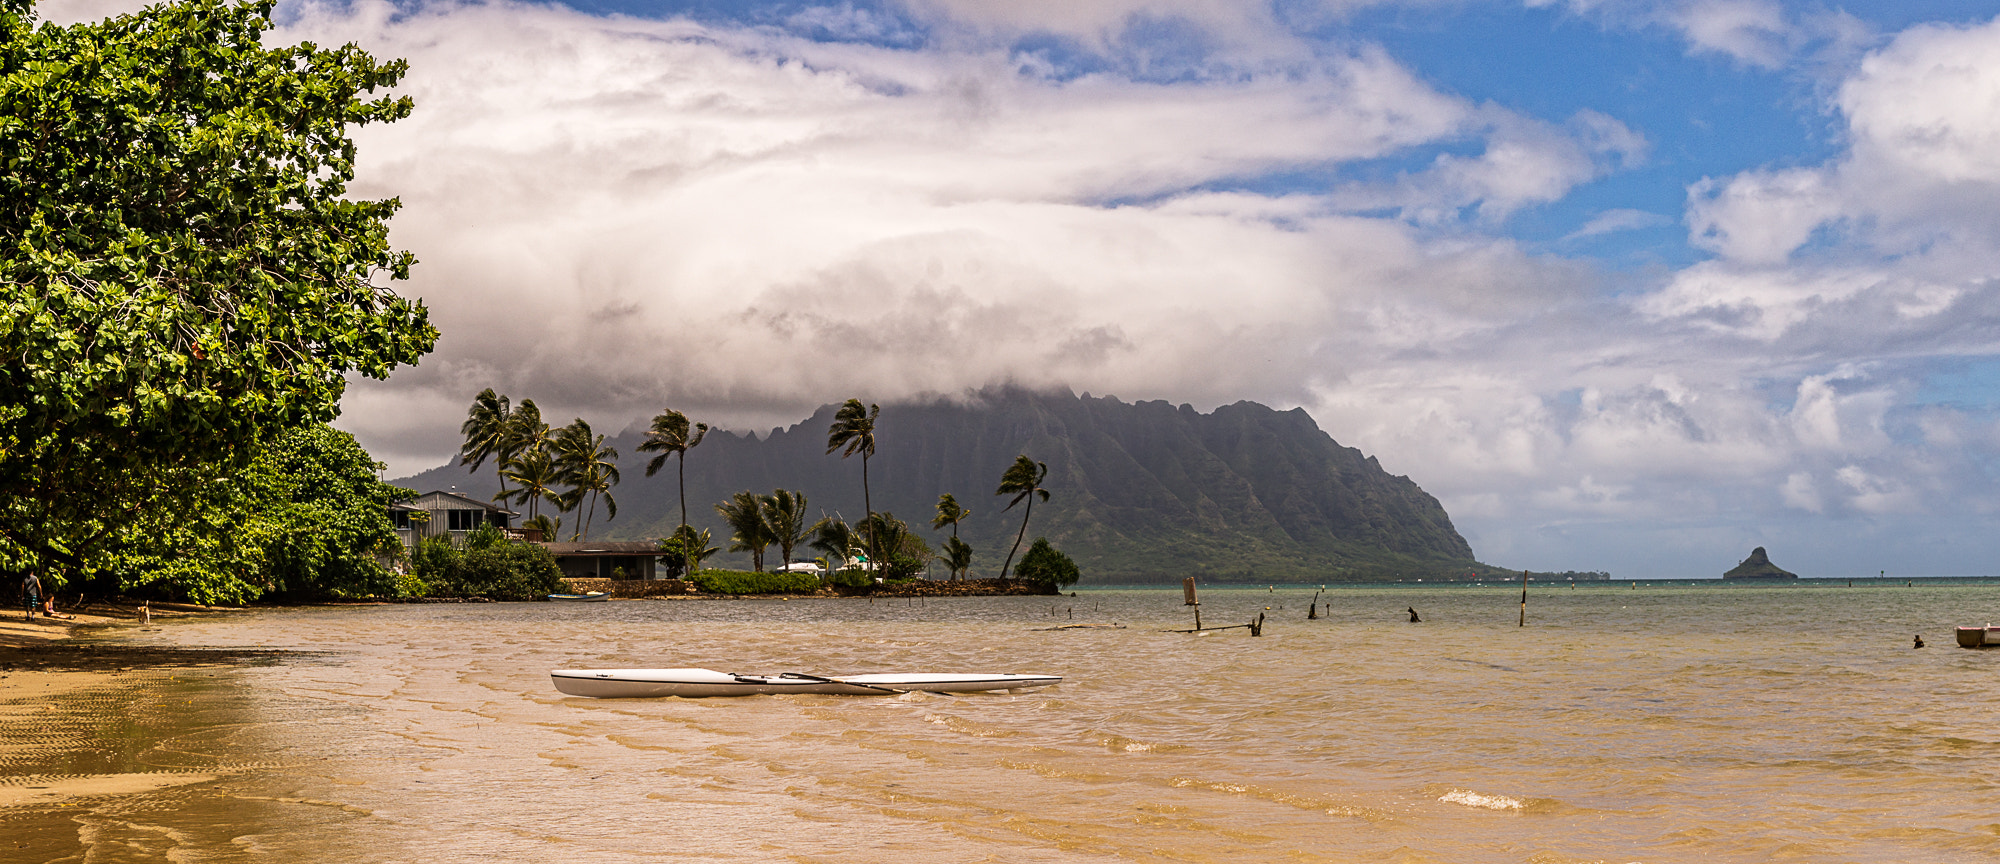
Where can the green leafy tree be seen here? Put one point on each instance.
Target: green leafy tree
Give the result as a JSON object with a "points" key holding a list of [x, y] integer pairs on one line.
{"points": [[785, 516], [670, 435], [331, 515], [185, 278], [854, 428], [681, 554], [1023, 480], [1043, 565], [744, 514], [957, 556]]}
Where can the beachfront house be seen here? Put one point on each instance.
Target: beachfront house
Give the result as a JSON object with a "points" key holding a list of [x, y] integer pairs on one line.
{"points": [[449, 514], [599, 559]]}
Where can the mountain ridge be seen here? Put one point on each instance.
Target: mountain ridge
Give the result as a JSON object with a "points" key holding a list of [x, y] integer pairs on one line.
{"points": [[1140, 492]]}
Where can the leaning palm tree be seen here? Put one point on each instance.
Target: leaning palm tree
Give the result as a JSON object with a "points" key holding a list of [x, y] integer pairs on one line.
{"points": [[587, 465], [854, 428], [785, 515], [1023, 480], [949, 512], [744, 514], [485, 431], [525, 431], [671, 435]]}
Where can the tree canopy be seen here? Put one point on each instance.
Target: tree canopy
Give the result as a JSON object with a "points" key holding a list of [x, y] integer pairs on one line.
{"points": [[184, 278]]}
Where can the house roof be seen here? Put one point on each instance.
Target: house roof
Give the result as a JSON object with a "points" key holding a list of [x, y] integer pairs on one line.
{"points": [[600, 547], [454, 500]]}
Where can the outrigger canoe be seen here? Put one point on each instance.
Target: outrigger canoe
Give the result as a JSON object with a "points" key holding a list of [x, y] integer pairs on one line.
{"points": [[642, 683], [592, 597]]}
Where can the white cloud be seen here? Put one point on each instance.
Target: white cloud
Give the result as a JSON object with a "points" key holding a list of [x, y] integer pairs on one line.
{"points": [[614, 214]]}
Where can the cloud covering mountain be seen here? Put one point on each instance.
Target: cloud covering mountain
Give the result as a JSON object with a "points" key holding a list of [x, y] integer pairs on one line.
{"points": [[1607, 326]]}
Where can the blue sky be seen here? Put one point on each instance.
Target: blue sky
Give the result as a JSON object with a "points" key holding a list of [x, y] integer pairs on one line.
{"points": [[1630, 285]]}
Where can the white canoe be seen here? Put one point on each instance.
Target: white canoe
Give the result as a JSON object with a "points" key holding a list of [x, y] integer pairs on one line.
{"points": [[639, 683], [592, 597]]}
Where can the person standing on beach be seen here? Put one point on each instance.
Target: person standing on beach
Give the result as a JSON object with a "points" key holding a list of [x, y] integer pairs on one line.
{"points": [[31, 593]]}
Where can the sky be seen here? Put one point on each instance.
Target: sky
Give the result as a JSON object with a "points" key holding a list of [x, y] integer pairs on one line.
{"points": [[1629, 285]]}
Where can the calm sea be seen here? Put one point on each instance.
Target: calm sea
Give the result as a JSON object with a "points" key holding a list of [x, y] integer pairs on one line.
{"points": [[1662, 723]]}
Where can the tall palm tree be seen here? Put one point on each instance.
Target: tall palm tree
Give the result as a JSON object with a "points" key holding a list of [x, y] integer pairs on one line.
{"points": [[949, 512], [854, 428], [785, 515], [485, 431], [589, 467], [671, 435], [525, 430], [1023, 480], [744, 514]]}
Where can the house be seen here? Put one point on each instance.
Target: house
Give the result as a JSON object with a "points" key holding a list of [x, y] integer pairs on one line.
{"points": [[599, 559], [449, 514]]}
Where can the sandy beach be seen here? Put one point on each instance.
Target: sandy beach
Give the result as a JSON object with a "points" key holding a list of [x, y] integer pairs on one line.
{"points": [[56, 689]]}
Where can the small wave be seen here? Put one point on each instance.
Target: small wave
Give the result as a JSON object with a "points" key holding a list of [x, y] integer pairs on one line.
{"points": [[1470, 798], [967, 727], [1122, 744], [1498, 803]]}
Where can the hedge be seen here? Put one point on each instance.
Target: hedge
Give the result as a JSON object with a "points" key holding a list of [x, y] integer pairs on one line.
{"points": [[745, 582]]}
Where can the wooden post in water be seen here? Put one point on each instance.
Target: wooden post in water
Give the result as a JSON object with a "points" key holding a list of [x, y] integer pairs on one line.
{"points": [[1257, 626], [1312, 612], [1524, 598], [1187, 590]]}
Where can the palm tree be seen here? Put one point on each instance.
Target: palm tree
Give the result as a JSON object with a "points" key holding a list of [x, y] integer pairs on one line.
{"points": [[957, 556], [1023, 480], [744, 514], [690, 547], [833, 536], [548, 526], [949, 515], [669, 435], [785, 515], [485, 431], [854, 428], [535, 471], [587, 465]]}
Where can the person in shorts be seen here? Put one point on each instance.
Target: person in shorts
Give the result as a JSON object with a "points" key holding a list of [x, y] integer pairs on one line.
{"points": [[31, 593]]}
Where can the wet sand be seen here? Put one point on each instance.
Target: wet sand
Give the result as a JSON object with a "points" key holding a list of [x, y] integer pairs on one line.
{"points": [[62, 701]]}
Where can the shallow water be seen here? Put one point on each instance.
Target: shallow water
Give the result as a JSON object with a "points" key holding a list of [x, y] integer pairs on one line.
{"points": [[1663, 724]]}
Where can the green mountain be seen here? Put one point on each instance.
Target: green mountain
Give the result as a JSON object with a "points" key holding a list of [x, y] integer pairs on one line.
{"points": [[1143, 492]]}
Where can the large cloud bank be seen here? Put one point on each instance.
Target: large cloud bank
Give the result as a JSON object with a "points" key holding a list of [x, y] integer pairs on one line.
{"points": [[616, 215]]}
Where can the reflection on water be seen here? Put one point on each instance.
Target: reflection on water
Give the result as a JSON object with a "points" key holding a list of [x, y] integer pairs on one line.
{"points": [[1661, 724]]}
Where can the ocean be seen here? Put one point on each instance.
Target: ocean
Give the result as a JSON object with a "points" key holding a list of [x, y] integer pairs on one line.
{"points": [[1657, 722]]}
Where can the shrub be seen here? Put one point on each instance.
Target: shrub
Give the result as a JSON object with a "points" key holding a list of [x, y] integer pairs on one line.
{"points": [[745, 582], [501, 571], [1043, 565], [852, 577]]}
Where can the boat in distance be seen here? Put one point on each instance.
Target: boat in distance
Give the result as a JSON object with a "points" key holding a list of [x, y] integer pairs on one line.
{"points": [[592, 597], [646, 683], [1979, 637]]}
